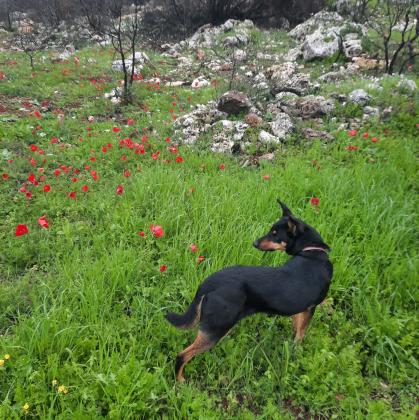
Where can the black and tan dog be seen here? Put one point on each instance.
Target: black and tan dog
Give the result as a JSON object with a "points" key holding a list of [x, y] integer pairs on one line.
{"points": [[294, 289]]}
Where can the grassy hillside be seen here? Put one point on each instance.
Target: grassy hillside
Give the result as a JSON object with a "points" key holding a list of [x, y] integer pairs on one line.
{"points": [[82, 302]]}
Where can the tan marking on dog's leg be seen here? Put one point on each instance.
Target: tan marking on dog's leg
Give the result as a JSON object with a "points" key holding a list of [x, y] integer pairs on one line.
{"points": [[200, 345], [300, 322]]}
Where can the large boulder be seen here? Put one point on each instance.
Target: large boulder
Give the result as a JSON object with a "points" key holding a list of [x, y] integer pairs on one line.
{"points": [[319, 36], [234, 102], [286, 78], [359, 97], [321, 44], [282, 126], [310, 106]]}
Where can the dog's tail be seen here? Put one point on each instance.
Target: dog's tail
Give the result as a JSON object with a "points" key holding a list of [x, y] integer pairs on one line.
{"points": [[190, 318]]}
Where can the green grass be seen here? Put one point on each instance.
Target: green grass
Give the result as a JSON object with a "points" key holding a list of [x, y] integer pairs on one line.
{"points": [[83, 302]]}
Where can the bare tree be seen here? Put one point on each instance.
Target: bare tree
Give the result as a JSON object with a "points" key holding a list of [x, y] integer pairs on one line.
{"points": [[107, 19], [6, 11], [31, 41], [393, 20]]}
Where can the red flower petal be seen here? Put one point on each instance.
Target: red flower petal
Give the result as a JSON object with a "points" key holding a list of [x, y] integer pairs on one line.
{"points": [[314, 201], [157, 231], [193, 248], [72, 195], [5, 176], [119, 189], [142, 234], [163, 268], [85, 188], [201, 258], [21, 230], [43, 222], [116, 129], [47, 188]]}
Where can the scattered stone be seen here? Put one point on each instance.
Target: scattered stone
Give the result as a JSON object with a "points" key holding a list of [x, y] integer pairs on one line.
{"points": [[234, 103], [239, 55], [360, 97], [311, 134], [310, 106], [364, 63], [282, 126], [200, 82], [268, 157], [287, 78], [139, 61], [253, 120], [265, 137], [321, 44], [407, 85]]}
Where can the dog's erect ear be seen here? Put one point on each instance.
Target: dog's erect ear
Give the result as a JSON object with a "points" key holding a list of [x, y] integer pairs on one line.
{"points": [[285, 210], [294, 225]]}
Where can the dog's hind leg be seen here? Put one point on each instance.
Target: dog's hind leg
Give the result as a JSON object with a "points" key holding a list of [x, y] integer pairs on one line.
{"points": [[202, 343], [300, 323]]}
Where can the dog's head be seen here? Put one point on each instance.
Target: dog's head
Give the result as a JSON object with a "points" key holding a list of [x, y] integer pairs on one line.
{"points": [[289, 234]]}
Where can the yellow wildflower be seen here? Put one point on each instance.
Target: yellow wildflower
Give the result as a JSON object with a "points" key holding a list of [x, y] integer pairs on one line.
{"points": [[26, 407], [62, 389], [7, 356], [54, 382], [1, 362]]}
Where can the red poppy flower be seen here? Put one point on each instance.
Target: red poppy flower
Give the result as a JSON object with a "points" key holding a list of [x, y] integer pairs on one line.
{"points": [[222, 167], [171, 111], [74, 179], [157, 231], [47, 188], [352, 148], [119, 189], [163, 268], [201, 258], [92, 159], [314, 201], [85, 188], [374, 139], [104, 149], [37, 114], [116, 129], [33, 147], [57, 172], [179, 159], [127, 173], [266, 177], [28, 195], [352, 133], [365, 135], [21, 230], [130, 122], [155, 156], [193, 248], [42, 178], [5, 176], [43, 222], [31, 178], [94, 175], [167, 139], [142, 234], [72, 195], [32, 161]]}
